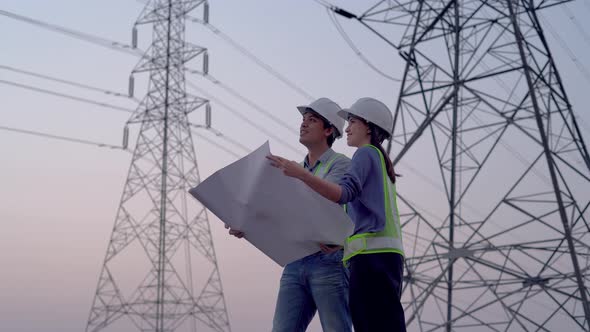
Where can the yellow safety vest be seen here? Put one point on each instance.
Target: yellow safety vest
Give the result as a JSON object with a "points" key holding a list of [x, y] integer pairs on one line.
{"points": [[390, 238], [321, 170]]}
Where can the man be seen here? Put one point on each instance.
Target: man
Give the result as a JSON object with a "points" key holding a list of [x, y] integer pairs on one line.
{"points": [[318, 282]]}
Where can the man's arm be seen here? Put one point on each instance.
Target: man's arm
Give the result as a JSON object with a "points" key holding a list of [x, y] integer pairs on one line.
{"points": [[338, 170]]}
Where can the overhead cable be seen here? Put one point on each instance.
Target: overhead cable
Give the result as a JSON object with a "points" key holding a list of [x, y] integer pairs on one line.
{"points": [[67, 96], [62, 138]]}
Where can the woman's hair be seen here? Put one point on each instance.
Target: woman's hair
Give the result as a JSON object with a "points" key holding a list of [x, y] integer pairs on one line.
{"points": [[378, 135]]}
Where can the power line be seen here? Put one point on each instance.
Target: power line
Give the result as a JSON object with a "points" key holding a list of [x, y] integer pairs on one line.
{"points": [[584, 124], [577, 24], [217, 145], [249, 102], [253, 57], [230, 140], [222, 136], [63, 95], [68, 82], [355, 49], [75, 34], [584, 71], [244, 118], [62, 138], [324, 3]]}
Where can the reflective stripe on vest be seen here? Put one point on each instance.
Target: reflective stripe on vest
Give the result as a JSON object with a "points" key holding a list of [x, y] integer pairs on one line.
{"points": [[390, 238]]}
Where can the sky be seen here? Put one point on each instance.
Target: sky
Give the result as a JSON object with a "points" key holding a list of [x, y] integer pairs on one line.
{"points": [[58, 199]]}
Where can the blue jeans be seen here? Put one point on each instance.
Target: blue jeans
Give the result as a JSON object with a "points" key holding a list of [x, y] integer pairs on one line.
{"points": [[316, 282]]}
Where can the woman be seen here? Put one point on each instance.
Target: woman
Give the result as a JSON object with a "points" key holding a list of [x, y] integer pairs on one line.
{"points": [[374, 251]]}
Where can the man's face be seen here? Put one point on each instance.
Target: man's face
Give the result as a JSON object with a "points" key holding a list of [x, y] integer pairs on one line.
{"points": [[312, 129]]}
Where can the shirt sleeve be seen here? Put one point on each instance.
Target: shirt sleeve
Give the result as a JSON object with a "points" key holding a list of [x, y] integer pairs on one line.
{"points": [[338, 169], [352, 183]]}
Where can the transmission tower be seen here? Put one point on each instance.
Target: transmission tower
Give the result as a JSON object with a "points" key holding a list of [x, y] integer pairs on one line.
{"points": [[482, 106], [160, 272]]}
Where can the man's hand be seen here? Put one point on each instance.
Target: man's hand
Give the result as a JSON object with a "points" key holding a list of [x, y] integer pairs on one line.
{"points": [[234, 232], [329, 249], [289, 167]]}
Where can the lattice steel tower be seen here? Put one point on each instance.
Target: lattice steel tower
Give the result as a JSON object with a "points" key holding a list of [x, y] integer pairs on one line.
{"points": [[482, 107], [160, 271]]}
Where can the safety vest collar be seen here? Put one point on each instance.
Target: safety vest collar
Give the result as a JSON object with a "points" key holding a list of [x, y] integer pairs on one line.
{"points": [[323, 159]]}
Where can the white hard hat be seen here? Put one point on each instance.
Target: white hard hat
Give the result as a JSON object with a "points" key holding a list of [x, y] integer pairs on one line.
{"points": [[327, 109], [372, 110]]}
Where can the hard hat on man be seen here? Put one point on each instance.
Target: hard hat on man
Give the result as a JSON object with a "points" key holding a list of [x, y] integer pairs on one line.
{"points": [[328, 110]]}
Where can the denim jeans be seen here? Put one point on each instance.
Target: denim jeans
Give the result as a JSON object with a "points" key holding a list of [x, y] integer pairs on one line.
{"points": [[316, 282]]}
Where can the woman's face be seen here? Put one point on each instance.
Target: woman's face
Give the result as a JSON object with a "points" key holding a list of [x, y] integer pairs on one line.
{"points": [[357, 132]]}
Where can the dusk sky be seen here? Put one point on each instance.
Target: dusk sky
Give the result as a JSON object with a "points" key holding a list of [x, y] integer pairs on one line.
{"points": [[58, 199]]}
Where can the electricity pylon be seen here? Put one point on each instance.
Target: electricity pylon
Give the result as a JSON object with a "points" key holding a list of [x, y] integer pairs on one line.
{"points": [[482, 108], [160, 272]]}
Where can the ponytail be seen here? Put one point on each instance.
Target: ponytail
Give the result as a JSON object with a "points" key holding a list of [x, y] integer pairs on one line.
{"points": [[378, 135]]}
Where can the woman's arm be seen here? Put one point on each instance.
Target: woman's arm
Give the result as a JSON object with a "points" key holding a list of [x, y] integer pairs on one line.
{"points": [[290, 168], [325, 188]]}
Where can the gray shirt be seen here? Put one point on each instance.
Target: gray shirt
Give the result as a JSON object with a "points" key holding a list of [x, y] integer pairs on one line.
{"points": [[336, 169], [337, 166]]}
